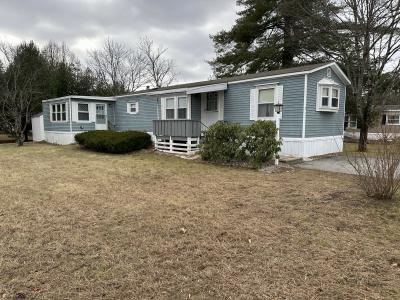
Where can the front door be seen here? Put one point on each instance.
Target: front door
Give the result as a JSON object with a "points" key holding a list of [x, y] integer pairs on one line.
{"points": [[212, 107], [101, 117]]}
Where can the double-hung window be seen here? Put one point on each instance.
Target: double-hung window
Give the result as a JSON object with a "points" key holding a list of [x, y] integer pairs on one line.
{"points": [[83, 112], [58, 112], [328, 98], [170, 108], [182, 107], [133, 108], [212, 101], [393, 119], [266, 100]]}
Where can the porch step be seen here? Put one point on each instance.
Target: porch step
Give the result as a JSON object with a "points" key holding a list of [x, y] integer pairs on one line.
{"points": [[290, 160]]}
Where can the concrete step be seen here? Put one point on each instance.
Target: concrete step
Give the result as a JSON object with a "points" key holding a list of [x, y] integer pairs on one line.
{"points": [[290, 160]]}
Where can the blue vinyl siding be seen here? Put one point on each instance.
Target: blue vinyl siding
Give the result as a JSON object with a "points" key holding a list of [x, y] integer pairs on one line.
{"points": [[237, 103], [143, 120], [76, 126], [323, 123], [54, 126]]}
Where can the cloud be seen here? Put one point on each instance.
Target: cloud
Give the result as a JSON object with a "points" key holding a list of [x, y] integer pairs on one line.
{"points": [[181, 26]]}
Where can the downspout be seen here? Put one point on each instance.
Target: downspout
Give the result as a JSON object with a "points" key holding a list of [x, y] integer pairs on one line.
{"points": [[303, 131]]}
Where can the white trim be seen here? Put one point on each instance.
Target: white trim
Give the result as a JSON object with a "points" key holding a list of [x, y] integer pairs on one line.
{"points": [[260, 88], [176, 108], [331, 85], [59, 112], [208, 88], [81, 97], [129, 107], [77, 112], [303, 131], [70, 114]]}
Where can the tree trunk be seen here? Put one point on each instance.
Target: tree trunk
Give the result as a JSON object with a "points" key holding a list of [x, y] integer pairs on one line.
{"points": [[20, 139], [362, 142], [288, 43]]}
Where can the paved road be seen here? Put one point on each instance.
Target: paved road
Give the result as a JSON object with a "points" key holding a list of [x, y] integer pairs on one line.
{"points": [[337, 164]]}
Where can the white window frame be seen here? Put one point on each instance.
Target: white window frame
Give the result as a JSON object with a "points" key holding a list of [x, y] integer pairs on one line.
{"points": [[79, 111], [176, 104], [330, 88], [59, 112], [273, 87], [388, 117], [186, 107], [129, 108], [351, 119]]}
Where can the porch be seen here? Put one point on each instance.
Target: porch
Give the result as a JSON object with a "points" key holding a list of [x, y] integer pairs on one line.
{"points": [[185, 115], [178, 136]]}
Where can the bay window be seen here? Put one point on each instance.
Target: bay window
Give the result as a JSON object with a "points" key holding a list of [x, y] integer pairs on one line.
{"points": [[328, 99]]}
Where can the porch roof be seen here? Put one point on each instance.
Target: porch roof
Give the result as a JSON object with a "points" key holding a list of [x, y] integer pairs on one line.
{"points": [[75, 97]]}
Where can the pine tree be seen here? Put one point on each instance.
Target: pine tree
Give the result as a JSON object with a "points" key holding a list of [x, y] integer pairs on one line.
{"points": [[271, 34]]}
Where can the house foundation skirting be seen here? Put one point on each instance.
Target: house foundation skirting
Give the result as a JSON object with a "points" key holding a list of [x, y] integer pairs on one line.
{"points": [[178, 145], [60, 137], [308, 147]]}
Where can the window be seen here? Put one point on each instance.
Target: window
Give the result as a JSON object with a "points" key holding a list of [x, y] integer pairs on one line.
{"points": [[335, 98], [325, 97], [170, 108], [393, 119], [58, 112], [133, 108], [328, 99], [212, 101], [182, 107], [83, 112], [266, 103]]}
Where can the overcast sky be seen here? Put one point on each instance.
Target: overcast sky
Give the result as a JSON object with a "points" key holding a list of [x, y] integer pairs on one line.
{"points": [[183, 26]]}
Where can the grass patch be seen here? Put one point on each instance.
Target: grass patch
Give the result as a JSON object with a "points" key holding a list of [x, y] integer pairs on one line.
{"points": [[77, 224]]}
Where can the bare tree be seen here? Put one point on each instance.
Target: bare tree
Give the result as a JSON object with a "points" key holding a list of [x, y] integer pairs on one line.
{"points": [[119, 66], [378, 173], [58, 53], [17, 94], [136, 71], [366, 39], [159, 69]]}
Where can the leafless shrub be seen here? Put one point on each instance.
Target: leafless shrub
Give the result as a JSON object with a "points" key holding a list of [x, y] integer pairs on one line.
{"points": [[378, 172]]}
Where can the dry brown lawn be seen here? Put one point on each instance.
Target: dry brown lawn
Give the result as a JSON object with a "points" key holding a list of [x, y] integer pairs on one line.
{"points": [[82, 225]]}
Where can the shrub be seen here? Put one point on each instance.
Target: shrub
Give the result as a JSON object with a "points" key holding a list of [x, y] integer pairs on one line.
{"points": [[114, 142], [221, 142], [230, 142], [259, 144], [378, 173]]}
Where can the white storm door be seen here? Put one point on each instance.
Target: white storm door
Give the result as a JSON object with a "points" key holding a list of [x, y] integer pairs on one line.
{"points": [[101, 117]]}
